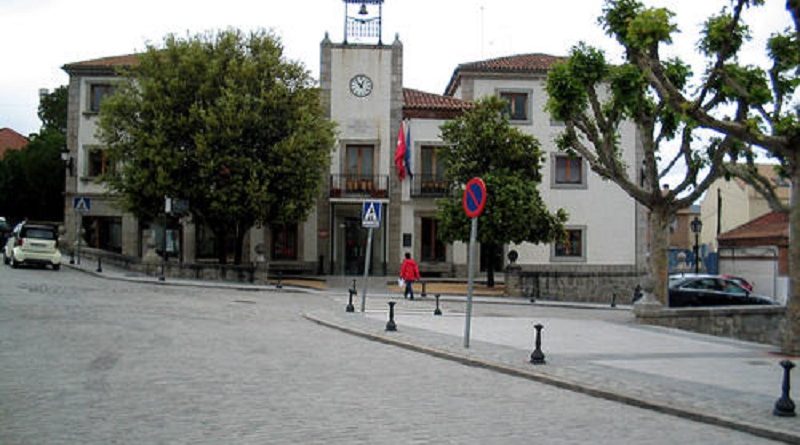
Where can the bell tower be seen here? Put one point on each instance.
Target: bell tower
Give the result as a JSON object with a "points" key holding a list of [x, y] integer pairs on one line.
{"points": [[362, 21]]}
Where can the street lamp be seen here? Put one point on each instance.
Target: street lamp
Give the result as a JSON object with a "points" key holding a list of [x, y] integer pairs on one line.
{"points": [[696, 226], [68, 163]]}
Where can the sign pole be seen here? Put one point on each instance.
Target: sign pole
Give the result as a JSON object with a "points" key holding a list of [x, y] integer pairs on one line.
{"points": [[473, 234], [78, 227], [366, 270]]}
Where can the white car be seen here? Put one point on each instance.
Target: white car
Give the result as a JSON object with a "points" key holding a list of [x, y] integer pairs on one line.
{"points": [[34, 244]]}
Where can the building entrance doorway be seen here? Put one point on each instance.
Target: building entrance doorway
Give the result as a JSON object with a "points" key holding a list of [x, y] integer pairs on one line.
{"points": [[355, 246]]}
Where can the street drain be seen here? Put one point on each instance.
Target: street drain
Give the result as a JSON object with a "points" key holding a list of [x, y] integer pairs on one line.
{"points": [[244, 301]]}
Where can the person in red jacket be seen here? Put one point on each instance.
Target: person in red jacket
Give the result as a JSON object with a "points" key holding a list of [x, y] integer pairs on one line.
{"points": [[409, 272]]}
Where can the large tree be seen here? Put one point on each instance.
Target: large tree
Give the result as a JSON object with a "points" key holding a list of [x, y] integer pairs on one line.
{"points": [[751, 103], [225, 121], [595, 99], [482, 143], [32, 179]]}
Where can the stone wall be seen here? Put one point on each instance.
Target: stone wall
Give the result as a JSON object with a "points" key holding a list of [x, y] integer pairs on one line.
{"points": [[578, 283], [750, 323]]}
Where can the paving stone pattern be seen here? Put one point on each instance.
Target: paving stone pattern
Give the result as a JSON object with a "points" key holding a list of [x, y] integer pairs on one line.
{"points": [[92, 361]]}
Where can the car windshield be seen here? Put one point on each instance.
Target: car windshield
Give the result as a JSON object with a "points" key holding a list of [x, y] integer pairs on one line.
{"points": [[39, 233]]}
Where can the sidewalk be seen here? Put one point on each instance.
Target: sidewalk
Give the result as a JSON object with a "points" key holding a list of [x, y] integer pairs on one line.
{"points": [[709, 379]]}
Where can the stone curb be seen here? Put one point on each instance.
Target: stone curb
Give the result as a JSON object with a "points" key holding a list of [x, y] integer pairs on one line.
{"points": [[206, 285], [686, 413]]}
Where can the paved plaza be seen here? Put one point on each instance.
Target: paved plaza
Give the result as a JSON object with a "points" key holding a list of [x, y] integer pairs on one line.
{"points": [[91, 360]]}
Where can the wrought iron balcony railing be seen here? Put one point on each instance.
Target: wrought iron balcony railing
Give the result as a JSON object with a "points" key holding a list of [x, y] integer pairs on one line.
{"points": [[429, 186], [359, 186]]}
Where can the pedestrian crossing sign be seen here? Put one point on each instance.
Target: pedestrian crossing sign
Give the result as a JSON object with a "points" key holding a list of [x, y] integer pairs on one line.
{"points": [[371, 214], [81, 203]]}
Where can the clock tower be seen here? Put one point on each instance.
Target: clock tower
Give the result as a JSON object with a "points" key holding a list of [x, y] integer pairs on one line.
{"points": [[361, 82]]}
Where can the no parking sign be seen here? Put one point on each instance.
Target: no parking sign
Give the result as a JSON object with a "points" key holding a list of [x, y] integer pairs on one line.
{"points": [[474, 199]]}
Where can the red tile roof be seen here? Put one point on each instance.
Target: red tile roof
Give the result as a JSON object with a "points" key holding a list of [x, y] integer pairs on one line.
{"points": [[419, 104], [103, 63], [521, 63], [11, 140], [773, 225]]}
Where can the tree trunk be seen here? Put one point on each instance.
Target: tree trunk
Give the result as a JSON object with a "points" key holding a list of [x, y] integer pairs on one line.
{"points": [[219, 241], [240, 232], [791, 327], [659, 246]]}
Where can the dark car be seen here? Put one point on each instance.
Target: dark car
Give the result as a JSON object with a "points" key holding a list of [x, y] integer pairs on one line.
{"points": [[710, 291]]}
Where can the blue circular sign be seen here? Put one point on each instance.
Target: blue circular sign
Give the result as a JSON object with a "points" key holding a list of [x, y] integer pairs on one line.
{"points": [[474, 199]]}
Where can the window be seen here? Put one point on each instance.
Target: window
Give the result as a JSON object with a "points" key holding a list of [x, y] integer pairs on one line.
{"points": [[98, 163], [572, 247], [284, 242], [431, 178], [517, 108], [567, 171], [359, 163], [98, 92], [432, 248]]}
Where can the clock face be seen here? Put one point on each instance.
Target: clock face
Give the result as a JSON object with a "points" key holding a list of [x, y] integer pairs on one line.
{"points": [[360, 85]]}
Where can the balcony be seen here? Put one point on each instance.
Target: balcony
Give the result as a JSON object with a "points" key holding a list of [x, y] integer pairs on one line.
{"points": [[431, 186], [359, 186]]}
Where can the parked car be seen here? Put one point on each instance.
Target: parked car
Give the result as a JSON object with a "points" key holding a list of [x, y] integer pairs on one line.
{"points": [[741, 281], [710, 290], [33, 244]]}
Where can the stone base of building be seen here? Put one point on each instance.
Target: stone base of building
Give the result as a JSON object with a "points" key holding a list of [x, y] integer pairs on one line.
{"points": [[575, 283], [759, 324]]}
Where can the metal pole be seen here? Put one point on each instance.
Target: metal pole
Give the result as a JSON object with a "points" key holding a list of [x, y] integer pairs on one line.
{"points": [[366, 270], [78, 238], [473, 234], [696, 253], [163, 250]]}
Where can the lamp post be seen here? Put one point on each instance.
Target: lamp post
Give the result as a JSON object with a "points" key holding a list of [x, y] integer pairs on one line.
{"points": [[68, 163], [696, 226]]}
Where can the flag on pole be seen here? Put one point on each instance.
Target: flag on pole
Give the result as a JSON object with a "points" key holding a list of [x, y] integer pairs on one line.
{"points": [[400, 153], [408, 151]]}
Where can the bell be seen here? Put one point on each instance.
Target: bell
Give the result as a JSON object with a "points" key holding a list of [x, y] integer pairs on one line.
{"points": [[363, 10]]}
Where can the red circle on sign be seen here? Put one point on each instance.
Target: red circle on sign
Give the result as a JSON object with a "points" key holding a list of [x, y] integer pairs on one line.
{"points": [[474, 199]]}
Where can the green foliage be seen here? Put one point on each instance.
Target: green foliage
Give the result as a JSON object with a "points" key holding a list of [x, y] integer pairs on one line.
{"points": [[651, 27], [721, 35], [222, 120], [32, 179], [483, 144]]}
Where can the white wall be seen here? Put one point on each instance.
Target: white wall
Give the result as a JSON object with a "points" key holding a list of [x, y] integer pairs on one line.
{"points": [[367, 117], [606, 211]]}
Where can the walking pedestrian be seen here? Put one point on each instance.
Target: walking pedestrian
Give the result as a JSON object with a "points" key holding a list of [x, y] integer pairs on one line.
{"points": [[409, 272]]}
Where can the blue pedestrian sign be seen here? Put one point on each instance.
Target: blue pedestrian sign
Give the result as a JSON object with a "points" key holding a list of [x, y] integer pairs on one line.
{"points": [[81, 204], [371, 214]]}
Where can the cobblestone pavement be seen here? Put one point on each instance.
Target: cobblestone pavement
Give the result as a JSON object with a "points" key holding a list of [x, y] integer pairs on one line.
{"points": [[94, 361]]}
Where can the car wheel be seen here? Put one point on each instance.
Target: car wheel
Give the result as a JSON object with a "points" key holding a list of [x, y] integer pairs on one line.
{"points": [[56, 266], [5, 259], [14, 263]]}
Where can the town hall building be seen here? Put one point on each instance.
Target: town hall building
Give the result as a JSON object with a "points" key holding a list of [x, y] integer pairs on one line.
{"points": [[362, 91]]}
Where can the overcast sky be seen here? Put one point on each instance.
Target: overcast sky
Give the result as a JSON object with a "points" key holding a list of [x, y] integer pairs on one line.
{"points": [[40, 36]]}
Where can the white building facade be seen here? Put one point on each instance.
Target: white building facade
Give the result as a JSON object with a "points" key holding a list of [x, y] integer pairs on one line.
{"points": [[362, 91]]}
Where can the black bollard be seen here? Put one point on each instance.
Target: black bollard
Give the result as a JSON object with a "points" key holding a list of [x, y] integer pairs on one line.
{"points": [[613, 299], [424, 291], [99, 265], [350, 307], [784, 407], [390, 325], [437, 311], [72, 256], [537, 357], [280, 277]]}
